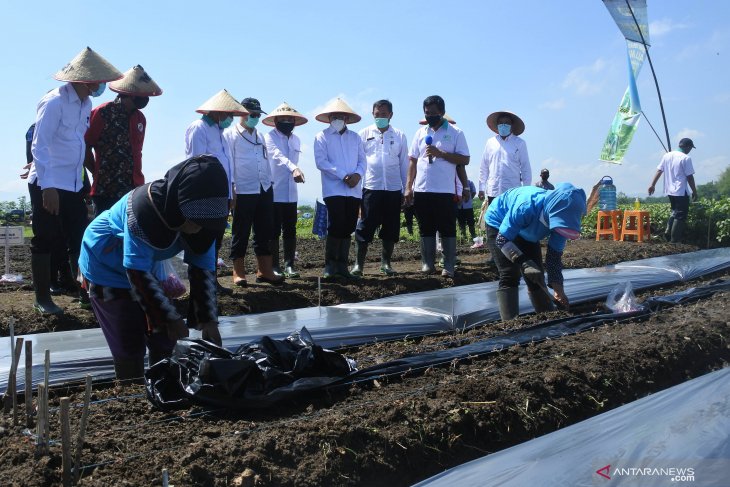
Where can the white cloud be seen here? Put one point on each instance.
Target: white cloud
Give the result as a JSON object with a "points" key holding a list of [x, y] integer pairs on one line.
{"points": [[714, 44], [721, 97], [689, 133], [586, 80], [709, 169], [662, 27], [557, 104]]}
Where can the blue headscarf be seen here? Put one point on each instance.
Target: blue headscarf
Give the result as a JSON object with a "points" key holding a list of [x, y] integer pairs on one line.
{"points": [[565, 206]]}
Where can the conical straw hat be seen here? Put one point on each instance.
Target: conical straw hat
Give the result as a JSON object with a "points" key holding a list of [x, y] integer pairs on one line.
{"points": [[518, 126], [136, 82], [222, 102], [88, 67], [338, 106], [284, 110], [446, 116]]}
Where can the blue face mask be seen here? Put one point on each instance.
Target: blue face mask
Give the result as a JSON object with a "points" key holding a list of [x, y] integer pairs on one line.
{"points": [[251, 122], [226, 122], [382, 123], [504, 129], [99, 90]]}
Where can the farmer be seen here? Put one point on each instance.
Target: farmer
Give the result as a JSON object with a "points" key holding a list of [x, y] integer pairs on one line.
{"points": [[386, 151], [431, 185], [56, 179], [340, 158], [543, 182], [284, 148], [516, 222], [678, 174], [254, 202], [116, 135], [205, 136], [184, 211]]}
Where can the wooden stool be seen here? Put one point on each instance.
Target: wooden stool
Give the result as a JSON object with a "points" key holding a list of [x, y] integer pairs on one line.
{"points": [[607, 224], [636, 223]]}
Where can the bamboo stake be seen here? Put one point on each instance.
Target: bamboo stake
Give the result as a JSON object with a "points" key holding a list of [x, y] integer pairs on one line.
{"points": [[40, 427], [7, 401], [47, 424], [65, 442], [14, 373], [165, 478], [82, 430], [28, 382]]}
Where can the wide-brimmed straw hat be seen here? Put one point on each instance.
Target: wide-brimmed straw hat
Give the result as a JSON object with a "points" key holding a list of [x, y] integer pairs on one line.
{"points": [[518, 126], [222, 102], [338, 106], [88, 67], [284, 110], [446, 116], [136, 82]]}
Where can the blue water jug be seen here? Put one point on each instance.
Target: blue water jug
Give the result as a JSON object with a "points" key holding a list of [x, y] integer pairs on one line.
{"points": [[607, 194]]}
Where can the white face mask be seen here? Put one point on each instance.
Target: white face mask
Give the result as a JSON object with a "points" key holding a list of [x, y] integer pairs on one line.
{"points": [[337, 125]]}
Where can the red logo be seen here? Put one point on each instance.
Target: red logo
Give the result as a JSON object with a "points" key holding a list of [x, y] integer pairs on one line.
{"points": [[604, 472]]}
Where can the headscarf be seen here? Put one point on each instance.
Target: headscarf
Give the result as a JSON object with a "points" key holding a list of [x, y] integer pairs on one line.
{"points": [[564, 208], [196, 190]]}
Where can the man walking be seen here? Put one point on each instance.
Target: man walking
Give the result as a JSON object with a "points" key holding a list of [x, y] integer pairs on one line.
{"points": [[678, 174]]}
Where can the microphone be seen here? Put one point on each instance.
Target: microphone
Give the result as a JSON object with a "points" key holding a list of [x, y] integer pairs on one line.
{"points": [[429, 141]]}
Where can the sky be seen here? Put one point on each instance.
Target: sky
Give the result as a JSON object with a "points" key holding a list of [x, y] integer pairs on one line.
{"points": [[558, 64]]}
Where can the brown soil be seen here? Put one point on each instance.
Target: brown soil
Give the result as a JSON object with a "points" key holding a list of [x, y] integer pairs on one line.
{"points": [[390, 432]]}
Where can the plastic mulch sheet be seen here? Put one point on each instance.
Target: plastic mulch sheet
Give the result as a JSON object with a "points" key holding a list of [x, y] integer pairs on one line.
{"points": [[678, 436]]}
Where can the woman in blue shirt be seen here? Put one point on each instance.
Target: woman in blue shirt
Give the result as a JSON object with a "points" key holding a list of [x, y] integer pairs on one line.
{"points": [[516, 222], [124, 245]]}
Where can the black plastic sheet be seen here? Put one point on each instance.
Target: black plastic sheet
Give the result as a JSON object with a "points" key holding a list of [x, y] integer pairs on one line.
{"points": [[257, 375]]}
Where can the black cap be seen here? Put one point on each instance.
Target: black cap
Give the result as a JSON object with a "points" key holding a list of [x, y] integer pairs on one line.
{"points": [[686, 143], [252, 105]]}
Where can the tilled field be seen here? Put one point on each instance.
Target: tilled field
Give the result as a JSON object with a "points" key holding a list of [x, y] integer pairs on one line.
{"points": [[401, 429]]}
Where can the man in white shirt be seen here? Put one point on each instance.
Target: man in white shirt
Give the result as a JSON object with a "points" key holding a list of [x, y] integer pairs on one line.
{"points": [[340, 158], [505, 163], [254, 202], [284, 148], [678, 174], [205, 136], [56, 178], [436, 151], [386, 151]]}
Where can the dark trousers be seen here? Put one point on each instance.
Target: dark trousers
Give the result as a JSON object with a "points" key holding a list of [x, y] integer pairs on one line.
{"points": [[253, 211], [436, 212], [341, 215], [408, 213], [680, 207], [102, 203], [285, 220], [65, 229], [509, 272], [379, 209], [466, 217]]}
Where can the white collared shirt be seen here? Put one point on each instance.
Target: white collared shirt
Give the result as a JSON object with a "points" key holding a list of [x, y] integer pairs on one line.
{"points": [[438, 176], [58, 146], [283, 159], [505, 165], [337, 155], [676, 166], [251, 170], [387, 158], [202, 138]]}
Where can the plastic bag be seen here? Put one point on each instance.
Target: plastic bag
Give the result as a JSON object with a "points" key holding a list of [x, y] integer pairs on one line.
{"points": [[171, 284], [622, 299]]}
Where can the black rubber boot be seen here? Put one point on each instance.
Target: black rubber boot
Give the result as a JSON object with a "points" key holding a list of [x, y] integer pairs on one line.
{"points": [[40, 267], [541, 301], [678, 228], [344, 259], [361, 249], [274, 248], [508, 301], [331, 256], [449, 246], [385, 267], [290, 252], [668, 230], [84, 302], [129, 370]]}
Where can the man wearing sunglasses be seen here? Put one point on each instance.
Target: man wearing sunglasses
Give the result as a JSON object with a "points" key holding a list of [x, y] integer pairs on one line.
{"points": [[254, 202]]}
